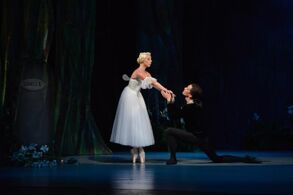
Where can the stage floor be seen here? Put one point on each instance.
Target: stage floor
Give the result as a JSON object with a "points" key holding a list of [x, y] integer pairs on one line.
{"points": [[194, 174]]}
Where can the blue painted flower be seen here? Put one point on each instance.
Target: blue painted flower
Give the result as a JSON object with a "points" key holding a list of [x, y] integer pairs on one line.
{"points": [[32, 146], [32, 156], [23, 148], [37, 154], [44, 148]]}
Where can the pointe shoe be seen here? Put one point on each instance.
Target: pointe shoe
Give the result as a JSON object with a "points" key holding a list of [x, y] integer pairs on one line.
{"points": [[142, 155], [134, 155]]}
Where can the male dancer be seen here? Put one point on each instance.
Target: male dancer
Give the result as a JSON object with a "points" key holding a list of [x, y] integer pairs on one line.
{"points": [[192, 114]]}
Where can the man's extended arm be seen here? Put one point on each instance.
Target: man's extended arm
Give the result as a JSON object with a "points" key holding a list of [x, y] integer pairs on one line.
{"points": [[173, 110]]}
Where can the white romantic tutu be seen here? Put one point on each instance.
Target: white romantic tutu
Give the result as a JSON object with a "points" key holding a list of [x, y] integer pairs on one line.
{"points": [[132, 125]]}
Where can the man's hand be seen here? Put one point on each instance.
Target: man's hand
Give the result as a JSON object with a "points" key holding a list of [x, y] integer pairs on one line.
{"points": [[168, 95]]}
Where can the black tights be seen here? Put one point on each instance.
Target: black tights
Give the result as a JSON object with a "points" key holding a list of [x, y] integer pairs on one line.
{"points": [[174, 134]]}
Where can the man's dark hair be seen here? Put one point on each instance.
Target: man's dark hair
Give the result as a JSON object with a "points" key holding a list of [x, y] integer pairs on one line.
{"points": [[196, 91]]}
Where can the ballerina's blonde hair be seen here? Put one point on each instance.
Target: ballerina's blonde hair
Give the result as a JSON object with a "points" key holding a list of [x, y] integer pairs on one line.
{"points": [[142, 56]]}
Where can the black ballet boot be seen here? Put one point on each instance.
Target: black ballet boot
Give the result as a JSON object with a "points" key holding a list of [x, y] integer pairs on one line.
{"points": [[172, 160], [250, 159]]}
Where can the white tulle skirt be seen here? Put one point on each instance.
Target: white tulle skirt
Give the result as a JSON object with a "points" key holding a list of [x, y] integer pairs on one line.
{"points": [[132, 125]]}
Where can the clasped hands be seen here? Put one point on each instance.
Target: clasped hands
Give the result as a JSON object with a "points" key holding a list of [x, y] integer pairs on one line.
{"points": [[168, 95]]}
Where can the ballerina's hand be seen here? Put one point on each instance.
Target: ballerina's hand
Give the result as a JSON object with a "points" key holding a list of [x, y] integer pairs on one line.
{"points": [[166, 94], [171, 92]]}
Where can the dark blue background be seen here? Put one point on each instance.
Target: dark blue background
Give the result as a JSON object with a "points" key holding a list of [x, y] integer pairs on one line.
{"points": [[239, 51]]}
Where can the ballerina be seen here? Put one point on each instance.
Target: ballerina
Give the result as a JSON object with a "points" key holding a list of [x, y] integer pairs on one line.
{"points": [[132, 126]]}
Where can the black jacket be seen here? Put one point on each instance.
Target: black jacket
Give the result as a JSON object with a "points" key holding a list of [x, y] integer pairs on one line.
{"points": [[192, 114]]}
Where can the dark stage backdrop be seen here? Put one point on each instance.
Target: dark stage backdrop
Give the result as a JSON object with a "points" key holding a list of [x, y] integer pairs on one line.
{"points": [[238, 51], [76, 51]]}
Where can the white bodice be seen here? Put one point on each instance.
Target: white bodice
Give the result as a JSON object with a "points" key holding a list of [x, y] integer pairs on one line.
{"points": [[137, 84]]}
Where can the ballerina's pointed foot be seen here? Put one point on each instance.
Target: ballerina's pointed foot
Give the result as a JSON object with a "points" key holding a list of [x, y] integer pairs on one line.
{"points": [[134, 155], [142, 155]]}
